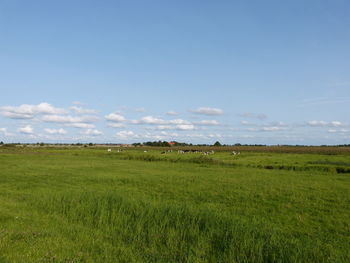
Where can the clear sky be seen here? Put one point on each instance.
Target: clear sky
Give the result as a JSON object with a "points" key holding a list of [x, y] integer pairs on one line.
{"points": [[269, 72]]}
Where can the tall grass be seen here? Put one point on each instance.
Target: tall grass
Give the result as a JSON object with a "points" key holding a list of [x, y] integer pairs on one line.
{"points": [[180, 233], [199, 159], [321, 166]]}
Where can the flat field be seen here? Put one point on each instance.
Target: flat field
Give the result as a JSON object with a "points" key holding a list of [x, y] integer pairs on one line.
{"points": [[266, 204]]}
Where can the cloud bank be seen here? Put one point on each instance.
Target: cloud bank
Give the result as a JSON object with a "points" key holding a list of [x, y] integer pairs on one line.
{"points": [[202, 125]]}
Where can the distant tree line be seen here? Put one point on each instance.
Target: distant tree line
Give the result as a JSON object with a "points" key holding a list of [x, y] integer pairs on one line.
{"points": [[175, 143]]}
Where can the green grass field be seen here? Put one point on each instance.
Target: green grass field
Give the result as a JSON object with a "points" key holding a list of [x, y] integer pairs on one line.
{"points": [[90, 205]]}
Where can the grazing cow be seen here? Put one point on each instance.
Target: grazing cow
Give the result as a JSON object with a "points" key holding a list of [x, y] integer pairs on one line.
{"points": [[109, 150]]}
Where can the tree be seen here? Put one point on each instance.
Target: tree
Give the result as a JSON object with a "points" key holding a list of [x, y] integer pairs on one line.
{"points": [[217, 143]]}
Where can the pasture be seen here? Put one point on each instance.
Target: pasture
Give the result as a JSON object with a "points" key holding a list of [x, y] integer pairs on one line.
{"points": [[266, 204]]}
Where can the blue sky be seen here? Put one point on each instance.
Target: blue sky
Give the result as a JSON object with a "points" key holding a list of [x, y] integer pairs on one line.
{"points": [[270, 72]]}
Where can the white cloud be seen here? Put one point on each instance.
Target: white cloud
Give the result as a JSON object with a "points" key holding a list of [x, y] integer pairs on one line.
{"points": [[26, 129], [91, 132], [172, 113], [115, 117], [165, 127], [185, 127], [338, 131], [80, 110], [336, 123], [69, 119], [46, 108], [126, 135], [26, 111], [14, 115], [158, 121], [174, 124], [151, 120], [181, 127], [84, 122], [208, 111], [56, 131], [207, 123], [80, 125], [179, 121], [315, 123]]}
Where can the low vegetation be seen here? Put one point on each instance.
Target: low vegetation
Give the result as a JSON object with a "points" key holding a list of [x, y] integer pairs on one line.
{"points": [[85, 204]]}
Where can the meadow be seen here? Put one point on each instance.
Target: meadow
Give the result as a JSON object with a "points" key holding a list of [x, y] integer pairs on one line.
{"points": [[85, 204]]}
